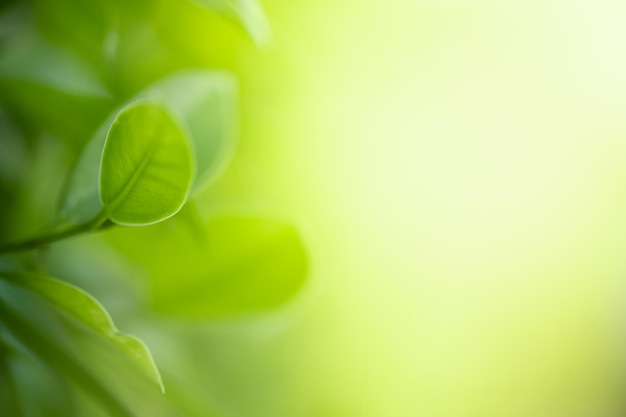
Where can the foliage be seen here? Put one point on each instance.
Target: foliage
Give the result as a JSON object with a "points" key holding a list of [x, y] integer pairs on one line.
{"points": [[99, 94]]}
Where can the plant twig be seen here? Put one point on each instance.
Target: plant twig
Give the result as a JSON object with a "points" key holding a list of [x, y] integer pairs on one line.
{"points": [[37, 242]]}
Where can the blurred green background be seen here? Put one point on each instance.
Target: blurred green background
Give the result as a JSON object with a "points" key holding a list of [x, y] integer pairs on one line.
{"points": [[456, 170]]}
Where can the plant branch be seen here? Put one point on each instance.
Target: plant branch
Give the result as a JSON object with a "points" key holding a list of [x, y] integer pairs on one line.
{"points": [[93, 225]]}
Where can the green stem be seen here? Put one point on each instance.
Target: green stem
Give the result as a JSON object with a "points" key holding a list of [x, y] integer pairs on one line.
{"points": [[36, 242]]}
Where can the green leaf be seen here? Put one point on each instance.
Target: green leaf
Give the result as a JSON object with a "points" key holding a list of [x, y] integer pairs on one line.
{"points": [[147, 167], [80, 201], [204, 103], [8, 391], [34, 379], [49, 85], [53, 352], [78, 25], [86, 309], [249, 265], [32, 58], [247, 12]]}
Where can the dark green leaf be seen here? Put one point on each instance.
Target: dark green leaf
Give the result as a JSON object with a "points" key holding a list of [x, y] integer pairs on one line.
{"points": [[86, 309], [49, 349], [8, 393]]}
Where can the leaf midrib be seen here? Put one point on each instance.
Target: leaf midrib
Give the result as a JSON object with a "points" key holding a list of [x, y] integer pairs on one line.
{"points": [[146, 157]]}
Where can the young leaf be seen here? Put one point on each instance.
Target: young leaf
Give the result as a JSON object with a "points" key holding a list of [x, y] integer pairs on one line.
{"points": [[249, 265], [204, 103], [86, 309], [147, 168]]}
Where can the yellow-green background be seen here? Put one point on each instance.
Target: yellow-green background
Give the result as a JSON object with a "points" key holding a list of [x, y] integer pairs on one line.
{"points": [[458, 170]]}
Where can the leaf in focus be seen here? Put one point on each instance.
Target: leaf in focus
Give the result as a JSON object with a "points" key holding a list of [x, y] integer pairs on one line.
{"points": [[243, 266], [204, 103], [147, 167], [86, 309]]}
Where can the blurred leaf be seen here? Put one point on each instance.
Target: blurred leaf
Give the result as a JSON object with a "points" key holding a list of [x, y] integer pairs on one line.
{"points": [[245, 265], [141, 56], [80, 201], [8, 392], [31, 58], [79, 25], [33, 379], [12, 164], [51, 350], [13, 16], [86, 309], [48, 86], [204, 103], [248, 12], [146, 168], [12, 159], [6, 5]]}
